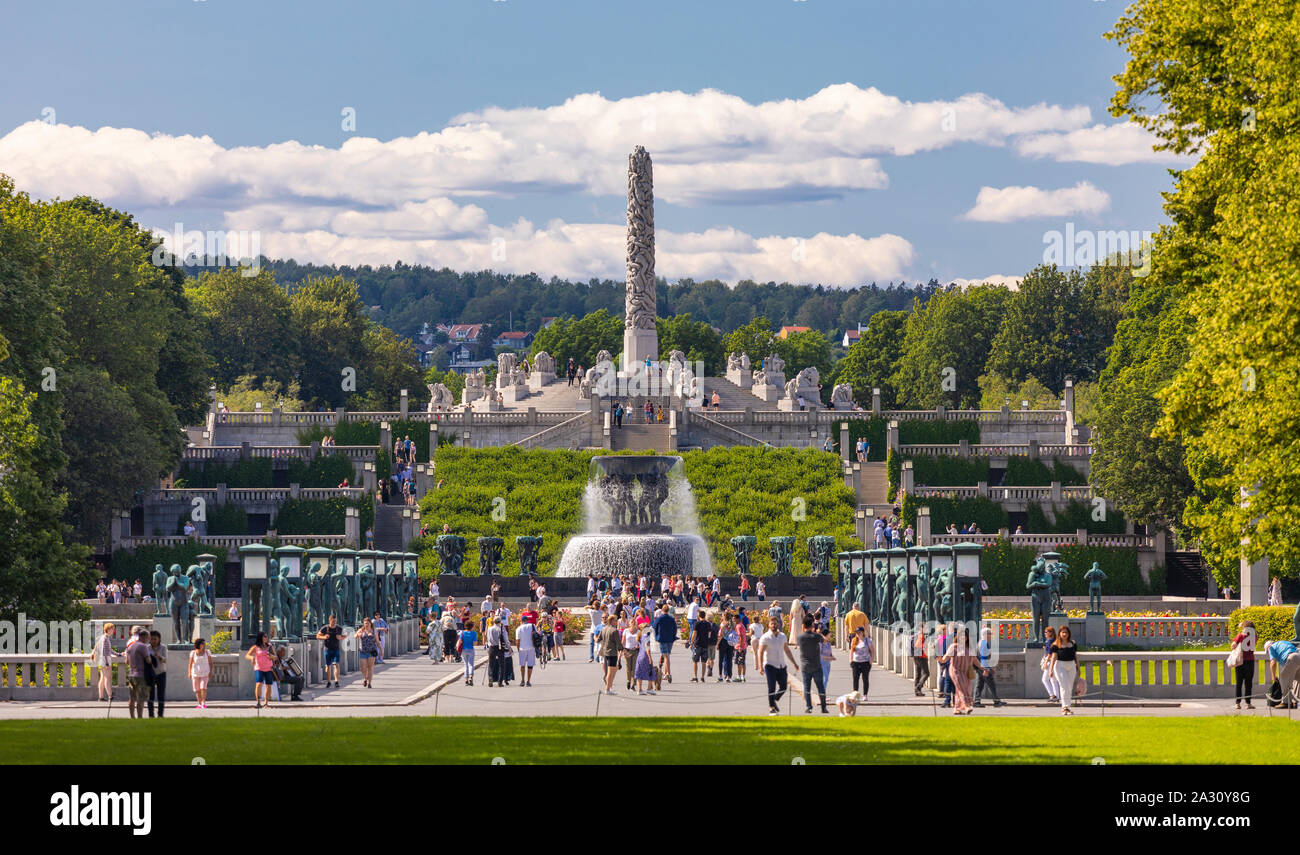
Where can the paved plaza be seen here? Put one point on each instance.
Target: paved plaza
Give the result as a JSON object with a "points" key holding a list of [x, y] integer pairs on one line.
{"points": [[412, 685]]}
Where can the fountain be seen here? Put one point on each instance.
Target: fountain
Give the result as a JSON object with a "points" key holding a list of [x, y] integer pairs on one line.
{"points": [[631, 506]]}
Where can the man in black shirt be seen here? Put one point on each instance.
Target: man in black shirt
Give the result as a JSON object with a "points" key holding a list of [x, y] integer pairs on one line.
{"points": [[332, 635], [809, 644]]}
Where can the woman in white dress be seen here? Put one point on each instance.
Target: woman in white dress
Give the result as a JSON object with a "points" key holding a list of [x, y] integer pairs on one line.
{"points": [[102, 656]]}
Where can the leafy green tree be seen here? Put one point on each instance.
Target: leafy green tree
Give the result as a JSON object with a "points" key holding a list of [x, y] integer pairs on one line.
{"points": [[945, 345], [807, 349], [329, 329], [699, 341], [754, 338], [39, 574], [389, 365], [873, 359], [581, 339], [247, 325], [1221, 80], [1056, 325]]}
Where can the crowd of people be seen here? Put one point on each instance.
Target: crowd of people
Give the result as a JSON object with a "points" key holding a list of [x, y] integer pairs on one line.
{"points": [[890, 532], [120, 591]]}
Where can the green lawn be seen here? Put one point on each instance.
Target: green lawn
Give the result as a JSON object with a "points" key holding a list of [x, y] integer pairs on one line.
{"points": [[660, 740]]}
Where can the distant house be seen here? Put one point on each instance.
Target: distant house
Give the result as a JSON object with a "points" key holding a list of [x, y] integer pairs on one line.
{"points": [[786, 332], [851, 337], [424, 350], [460, 357], [515, 340], [468, 333], [546, 322]]}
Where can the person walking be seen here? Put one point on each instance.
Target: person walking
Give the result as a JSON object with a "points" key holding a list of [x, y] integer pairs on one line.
{"points": [[138, 661], [665, 630], [741, 646], [607, 647], [102, 656], [527, 638], [158, 689], [828, 652], [595, 618], [809, 644], [727, 638], [263, 674], [760, 590], [333, 635], [862, 652], [497, 640], [1065, 666], [984, 669], [645, 669], [468, 638], [959, 661], [381, 635], [1243, 647], [699, 631], [367, 651], [773, 655], [744, 589], [200, 671], [631, 652], [1049, 676], [558, 627]]}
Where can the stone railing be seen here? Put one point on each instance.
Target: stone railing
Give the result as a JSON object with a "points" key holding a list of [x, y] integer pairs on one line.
{"points": [[738, 437], [1049, 541], [71, 677], [355, 453], [1007, 494], [1138, 631], [233, 542], [253, 495], [1031, 450], [553, 432]]}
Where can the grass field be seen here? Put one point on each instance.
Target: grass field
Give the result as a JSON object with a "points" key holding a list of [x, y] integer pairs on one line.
{"points": [[660, 740]]}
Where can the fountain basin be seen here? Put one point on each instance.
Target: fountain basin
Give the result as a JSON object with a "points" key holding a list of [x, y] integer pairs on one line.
{"points": [[652, 554]]}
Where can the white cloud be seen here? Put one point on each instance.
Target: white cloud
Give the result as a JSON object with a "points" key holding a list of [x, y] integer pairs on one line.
{"points": [[1011, 282], [1112, 145], [1005, 204]]}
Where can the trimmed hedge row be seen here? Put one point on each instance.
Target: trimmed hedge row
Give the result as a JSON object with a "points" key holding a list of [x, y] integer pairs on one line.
{"points": [[327, 470], [1271, 623], [1006, 568], [321, 516]]}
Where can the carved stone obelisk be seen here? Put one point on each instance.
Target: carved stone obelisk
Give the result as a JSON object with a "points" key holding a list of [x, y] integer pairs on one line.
{"points": [[640, 339]]}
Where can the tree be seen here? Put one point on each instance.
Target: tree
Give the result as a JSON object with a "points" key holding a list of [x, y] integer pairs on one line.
{"points": [[1225, 80], [807, 349], [696, 339], [580, 339], [39, 575], [329, 325], [754, 338], [1056, 325], [247, 326], [945, 345], [389, 365], [873, 359]]}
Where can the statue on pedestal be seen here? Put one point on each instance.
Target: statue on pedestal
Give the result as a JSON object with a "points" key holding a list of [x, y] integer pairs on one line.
{"points": [[489, 555], [159, 590], [544, 363], [820, 549], [1094, 578], [313, 585], [198, 591], [475, 387], [879, 608], [290, 605], [451, 552], [742, 546], [366, 582], [412, 576], [178, 605], [440, 397], [342, 589], [1039, 585], [271, 595], [528, 547], [1059, 570], [901, 582], [842, 396], [782, 551], [924, 602]]}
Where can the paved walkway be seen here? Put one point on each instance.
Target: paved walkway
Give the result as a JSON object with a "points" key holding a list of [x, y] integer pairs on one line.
{"points": [[413, 685]]}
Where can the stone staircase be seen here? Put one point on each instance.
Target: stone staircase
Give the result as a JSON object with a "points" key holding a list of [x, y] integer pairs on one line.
{"points": [[641, 437], [388, 528], [733, 397], [874, 489]]}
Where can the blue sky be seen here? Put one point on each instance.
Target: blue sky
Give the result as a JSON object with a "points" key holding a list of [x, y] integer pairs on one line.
{"points": [[504, 189]]}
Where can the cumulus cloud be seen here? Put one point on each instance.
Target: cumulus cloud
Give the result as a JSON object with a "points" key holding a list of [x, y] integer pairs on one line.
{"points": [[1005, 204], [1111, 145], [1011, 282]]}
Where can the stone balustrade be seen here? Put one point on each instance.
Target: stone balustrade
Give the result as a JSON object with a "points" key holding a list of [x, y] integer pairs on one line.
{"points": [[1138, 631], [1050, 540]]}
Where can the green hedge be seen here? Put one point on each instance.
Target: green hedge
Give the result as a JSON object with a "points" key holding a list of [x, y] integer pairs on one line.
{"points": [[1271, 623], [873, 429], [894, 471], [1023, 472], [225, 520], [985, 513], [1073, 516], [139, 564], [1006, 567], [321, 516], [919, 432], [327, 470], [737, 491], [934, 471]]}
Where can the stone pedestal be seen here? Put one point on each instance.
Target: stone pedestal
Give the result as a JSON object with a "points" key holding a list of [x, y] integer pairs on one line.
{"points": [[766, 393], [791, 405], [842, 405], [488, 404], [744, 379], [513, 394], [638, 346], [1094, 629], [538, 379], [1254, 583], [204, 627]]}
